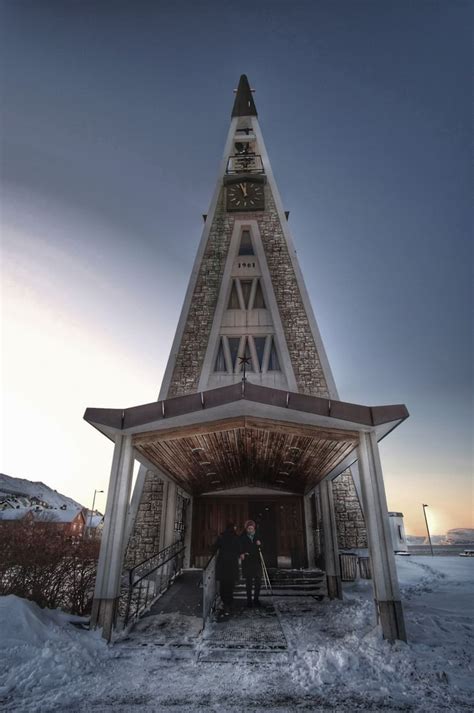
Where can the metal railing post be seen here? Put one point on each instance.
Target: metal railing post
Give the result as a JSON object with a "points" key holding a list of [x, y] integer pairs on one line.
{"points": [[162, 567]]}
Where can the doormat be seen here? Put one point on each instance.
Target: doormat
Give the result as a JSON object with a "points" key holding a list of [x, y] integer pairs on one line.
{"points": [[252, 635]]}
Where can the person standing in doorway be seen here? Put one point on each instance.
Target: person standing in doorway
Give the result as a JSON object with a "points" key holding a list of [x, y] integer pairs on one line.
{"points": [[227, 546], [251, 562]]}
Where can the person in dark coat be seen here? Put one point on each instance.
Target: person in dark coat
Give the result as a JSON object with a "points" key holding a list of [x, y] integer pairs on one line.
{"points": [[251, 562], [227, 546]]}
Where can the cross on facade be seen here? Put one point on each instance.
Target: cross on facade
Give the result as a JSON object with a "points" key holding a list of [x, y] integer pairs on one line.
{"points": [[243, 362]]}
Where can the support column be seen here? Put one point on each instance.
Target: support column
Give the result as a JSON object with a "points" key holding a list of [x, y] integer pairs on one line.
{"points": [[309, 526], [384, 573], [169, 534], [330, 546], [109, 569], [188, 533]]}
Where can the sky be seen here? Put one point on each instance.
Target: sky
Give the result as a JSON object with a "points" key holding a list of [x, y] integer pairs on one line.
{"points": [[114, 117]]}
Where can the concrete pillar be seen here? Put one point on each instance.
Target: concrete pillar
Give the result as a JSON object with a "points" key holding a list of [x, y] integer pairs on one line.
{"points": [[330, 546], [169, 501], [384, 573], [109, 569], [309, 525], [188, 533]]}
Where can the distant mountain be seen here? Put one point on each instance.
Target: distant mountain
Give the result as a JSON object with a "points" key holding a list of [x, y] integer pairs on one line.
{"points": [[460, 536], [457, 536], [24, 493]]}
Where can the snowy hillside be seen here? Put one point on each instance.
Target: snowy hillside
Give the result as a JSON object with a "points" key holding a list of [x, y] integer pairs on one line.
{"points": [[27, 492]]}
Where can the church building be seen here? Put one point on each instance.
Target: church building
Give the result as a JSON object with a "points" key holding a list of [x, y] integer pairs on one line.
{"points": [[248, 423]]}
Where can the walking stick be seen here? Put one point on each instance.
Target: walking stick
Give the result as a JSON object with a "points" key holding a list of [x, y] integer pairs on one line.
{"points": [[266, 578]]}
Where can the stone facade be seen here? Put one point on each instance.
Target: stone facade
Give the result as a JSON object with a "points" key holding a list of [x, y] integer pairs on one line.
{"points": [[301, 346], [192, 350], [299, 338], [303, 352], [351, 530], [145, 539]]}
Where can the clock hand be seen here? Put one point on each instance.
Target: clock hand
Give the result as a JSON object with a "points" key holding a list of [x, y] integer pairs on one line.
{"points": [[243, 188]]}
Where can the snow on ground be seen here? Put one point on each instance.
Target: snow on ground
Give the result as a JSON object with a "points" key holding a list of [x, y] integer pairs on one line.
{"points": [[338, 660], [41, 650]]}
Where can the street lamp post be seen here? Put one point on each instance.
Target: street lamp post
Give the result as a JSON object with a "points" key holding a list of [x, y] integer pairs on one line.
{"points": [[428, 529], [92, 511]]}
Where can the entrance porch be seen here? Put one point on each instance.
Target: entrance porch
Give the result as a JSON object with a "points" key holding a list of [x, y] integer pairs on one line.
{"points": [[211, 445]]}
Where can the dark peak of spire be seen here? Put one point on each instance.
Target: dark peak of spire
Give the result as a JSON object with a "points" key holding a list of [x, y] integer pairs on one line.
{"points": [[244, 104]]}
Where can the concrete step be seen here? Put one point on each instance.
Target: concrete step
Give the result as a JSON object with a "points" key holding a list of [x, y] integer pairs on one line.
{"points": [[277, 585], [315, 584], [241, 596], [290, 583], [293, 582]]}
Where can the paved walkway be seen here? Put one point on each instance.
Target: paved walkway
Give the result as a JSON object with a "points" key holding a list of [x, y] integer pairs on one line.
{"points": [[184, 596]]}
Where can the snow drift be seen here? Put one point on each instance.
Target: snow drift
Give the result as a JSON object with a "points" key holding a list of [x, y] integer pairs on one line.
{"points": [[42, 652], [339, 660]]}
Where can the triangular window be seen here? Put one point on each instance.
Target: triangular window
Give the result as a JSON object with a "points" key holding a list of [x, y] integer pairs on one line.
{"points": [[246, 289], [260, 348], [220, 359], [234, 298], [259, 301], [234, 343], [246, 247], [273, 362]]}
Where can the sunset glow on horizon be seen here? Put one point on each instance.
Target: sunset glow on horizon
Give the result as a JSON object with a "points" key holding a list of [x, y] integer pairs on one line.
{"points": [[109, 162], [59, 358]]}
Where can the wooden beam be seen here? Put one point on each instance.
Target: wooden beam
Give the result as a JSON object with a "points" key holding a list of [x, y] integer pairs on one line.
{"points": [[246, 422]]}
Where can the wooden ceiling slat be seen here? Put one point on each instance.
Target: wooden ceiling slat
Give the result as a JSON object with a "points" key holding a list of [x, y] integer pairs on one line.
{"points": [[246, 422], [246, 452]]}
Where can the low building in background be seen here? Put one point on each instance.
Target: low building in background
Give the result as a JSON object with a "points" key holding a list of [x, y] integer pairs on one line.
{"points": [[397, 531], [94, 523], [67, 522]]}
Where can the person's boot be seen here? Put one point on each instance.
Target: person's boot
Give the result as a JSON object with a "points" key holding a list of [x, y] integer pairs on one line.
{"points": [[256, 594]]}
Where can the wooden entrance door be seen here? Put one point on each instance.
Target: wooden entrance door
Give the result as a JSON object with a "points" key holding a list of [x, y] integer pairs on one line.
{"points": [[292, 536], [264, 512], [280, 520], [210, 516]]}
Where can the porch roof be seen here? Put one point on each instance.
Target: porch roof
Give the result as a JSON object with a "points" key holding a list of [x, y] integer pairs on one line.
{"points": [[245, 434]]}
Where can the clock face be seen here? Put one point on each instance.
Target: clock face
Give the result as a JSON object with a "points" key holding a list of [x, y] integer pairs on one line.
{"points": [[245, 196]]}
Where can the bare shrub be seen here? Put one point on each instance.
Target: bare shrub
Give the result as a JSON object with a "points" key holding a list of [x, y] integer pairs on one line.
{"points": [[37, 562]]}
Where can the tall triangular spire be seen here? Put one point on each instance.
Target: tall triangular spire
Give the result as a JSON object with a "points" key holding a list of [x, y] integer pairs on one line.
{"points": [[246, 298], [244, 104]]}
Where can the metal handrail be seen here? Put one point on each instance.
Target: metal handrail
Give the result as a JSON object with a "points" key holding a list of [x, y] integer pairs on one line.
{"points": [[151, 571], [156, 574], [161, 555]]}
